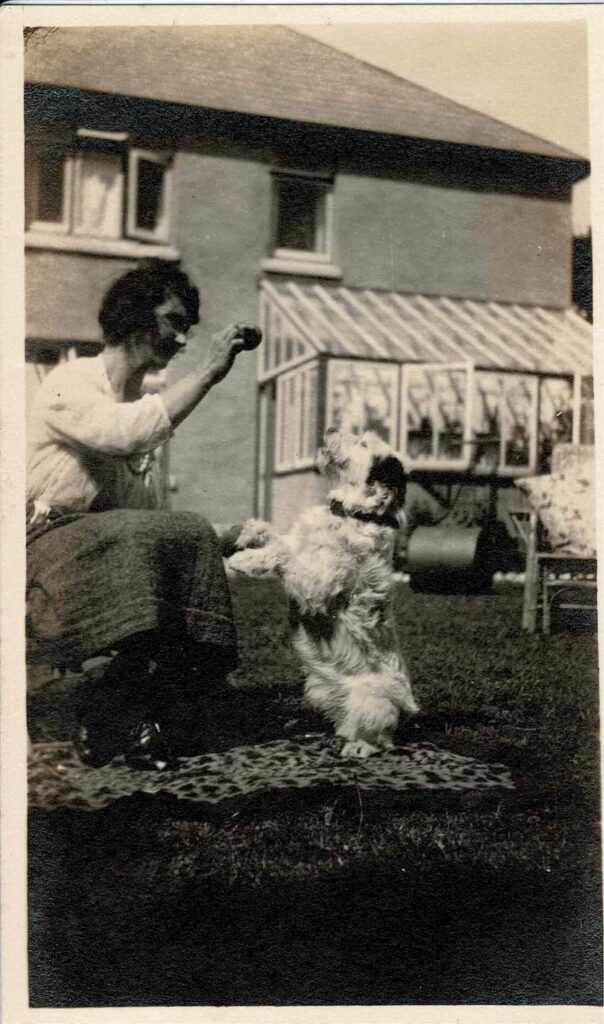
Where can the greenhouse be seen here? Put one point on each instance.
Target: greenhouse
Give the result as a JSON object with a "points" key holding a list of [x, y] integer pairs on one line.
{"points": [[474, 390]]}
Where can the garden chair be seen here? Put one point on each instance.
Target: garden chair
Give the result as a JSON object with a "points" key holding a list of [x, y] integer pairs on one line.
{"points": [[551, 578]]}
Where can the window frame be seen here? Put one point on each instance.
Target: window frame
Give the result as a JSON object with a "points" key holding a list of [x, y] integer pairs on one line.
{"points": [[64, 226], [275, 323], [73, 148], [546, 434], [162, 232], [503, 469], [393, 369], [582, 424], [323, 185], [304, 395], [437, 464]]}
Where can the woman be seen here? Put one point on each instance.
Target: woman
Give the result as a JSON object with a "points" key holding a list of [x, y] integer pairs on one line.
{"points": [[107, 571]]}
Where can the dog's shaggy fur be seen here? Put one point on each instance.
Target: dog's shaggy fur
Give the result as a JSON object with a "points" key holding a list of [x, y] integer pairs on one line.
{"points": [[336, 567]]}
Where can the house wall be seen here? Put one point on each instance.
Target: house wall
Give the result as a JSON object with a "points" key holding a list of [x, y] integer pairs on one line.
{"points": [[63, 293], [293, 492], [415, 237], [390, 234], [221, 224]]}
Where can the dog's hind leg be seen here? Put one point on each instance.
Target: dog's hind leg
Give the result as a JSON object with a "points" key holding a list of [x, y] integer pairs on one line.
{"points": [[402, 694], [323, 697], [399, 688], [370, 718]]}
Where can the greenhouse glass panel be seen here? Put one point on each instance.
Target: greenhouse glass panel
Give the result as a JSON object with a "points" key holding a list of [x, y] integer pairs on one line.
{"points": [[486, 422], [504, 423], [309, 437], [297, 416], [287, 420], [436, 415], [362, 395], [518, 422], [587, 432], [555, 417]]}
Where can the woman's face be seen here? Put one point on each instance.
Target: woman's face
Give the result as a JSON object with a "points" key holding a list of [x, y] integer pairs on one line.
{"points": [[168, 337]]}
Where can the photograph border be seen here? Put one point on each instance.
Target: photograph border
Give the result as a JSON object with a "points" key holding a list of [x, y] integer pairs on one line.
{"points": [[12, 478]]}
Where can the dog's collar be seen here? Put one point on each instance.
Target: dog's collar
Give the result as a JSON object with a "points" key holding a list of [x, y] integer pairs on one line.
{"points": [[337, 509]]}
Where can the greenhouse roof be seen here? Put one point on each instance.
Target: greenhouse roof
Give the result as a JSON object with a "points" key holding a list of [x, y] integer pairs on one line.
{"points": [[429, 329]]}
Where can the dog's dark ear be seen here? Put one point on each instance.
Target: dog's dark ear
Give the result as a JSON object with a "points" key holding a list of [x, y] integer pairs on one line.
{"points": [[390, 473]]}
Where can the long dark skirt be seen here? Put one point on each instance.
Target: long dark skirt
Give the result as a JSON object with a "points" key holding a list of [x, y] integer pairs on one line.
{"points": [[98, 578]]}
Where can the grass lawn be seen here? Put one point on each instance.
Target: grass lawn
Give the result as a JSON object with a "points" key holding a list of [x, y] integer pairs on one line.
{"points": [[321, 899]]}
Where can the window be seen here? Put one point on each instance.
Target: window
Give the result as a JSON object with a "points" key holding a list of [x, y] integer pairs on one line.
{"points": [[95, 187], [297, 410], [586, 427], [504, 423], [149, 184], [48, 177], [362, 395], [283, 345], [302, 217], [98, 189], [555, 417], [436, 415]]}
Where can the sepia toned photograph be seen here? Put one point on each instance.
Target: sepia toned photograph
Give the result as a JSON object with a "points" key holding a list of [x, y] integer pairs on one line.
{"points": [[311, 556]]}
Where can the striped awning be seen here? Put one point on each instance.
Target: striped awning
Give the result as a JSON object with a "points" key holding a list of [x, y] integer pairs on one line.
{"points": [[427, 329]]}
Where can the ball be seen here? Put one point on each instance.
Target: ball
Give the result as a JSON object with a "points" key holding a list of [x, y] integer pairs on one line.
{"points": [[252, 336]]}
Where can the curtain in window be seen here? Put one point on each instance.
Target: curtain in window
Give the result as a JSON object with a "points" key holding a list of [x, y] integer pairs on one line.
{"points": [[99, 195]]}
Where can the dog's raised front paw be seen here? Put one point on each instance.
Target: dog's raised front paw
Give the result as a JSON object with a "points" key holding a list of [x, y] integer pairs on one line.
{"points": [[245, 562], [358, 749], [255, 533]]}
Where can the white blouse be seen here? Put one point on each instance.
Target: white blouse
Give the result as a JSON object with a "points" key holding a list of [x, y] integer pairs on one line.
{"points": [[86, 446]]}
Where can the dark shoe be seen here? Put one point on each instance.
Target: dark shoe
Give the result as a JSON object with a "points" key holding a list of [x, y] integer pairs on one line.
{"points": [[147, 749], [95, 745]]}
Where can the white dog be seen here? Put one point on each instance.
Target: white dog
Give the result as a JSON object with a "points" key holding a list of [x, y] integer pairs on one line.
{"points": [[336, 567]]}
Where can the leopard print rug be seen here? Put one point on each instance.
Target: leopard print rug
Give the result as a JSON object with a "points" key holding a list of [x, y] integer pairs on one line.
{"points": [[58, 778]]}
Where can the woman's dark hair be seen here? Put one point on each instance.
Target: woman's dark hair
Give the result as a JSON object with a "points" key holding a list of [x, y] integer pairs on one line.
{"points": [[129, 304]]}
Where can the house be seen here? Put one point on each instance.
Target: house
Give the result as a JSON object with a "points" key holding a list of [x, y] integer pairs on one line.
{"points": [[409, 259]]}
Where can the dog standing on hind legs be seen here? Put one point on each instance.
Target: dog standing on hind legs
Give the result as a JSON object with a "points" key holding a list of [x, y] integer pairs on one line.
{"points": [[336, 567]]}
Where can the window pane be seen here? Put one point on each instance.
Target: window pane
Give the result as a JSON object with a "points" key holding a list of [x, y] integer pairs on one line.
{"points": [[420, 405], [516, 419], [362, 397], [450, 387], [436, 405], [98, 200], [587, 431], [49, 198], [555, 418], [289, 421], [150, 194], [486, 426], [297, 216], [302, 416], [310, 446]]}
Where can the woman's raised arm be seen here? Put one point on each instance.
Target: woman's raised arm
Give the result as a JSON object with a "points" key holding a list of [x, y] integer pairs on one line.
{"points": [[181, 397]]}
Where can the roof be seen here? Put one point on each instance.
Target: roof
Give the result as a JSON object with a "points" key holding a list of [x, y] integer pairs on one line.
{"points": [[419, 328], [268, 71]]}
